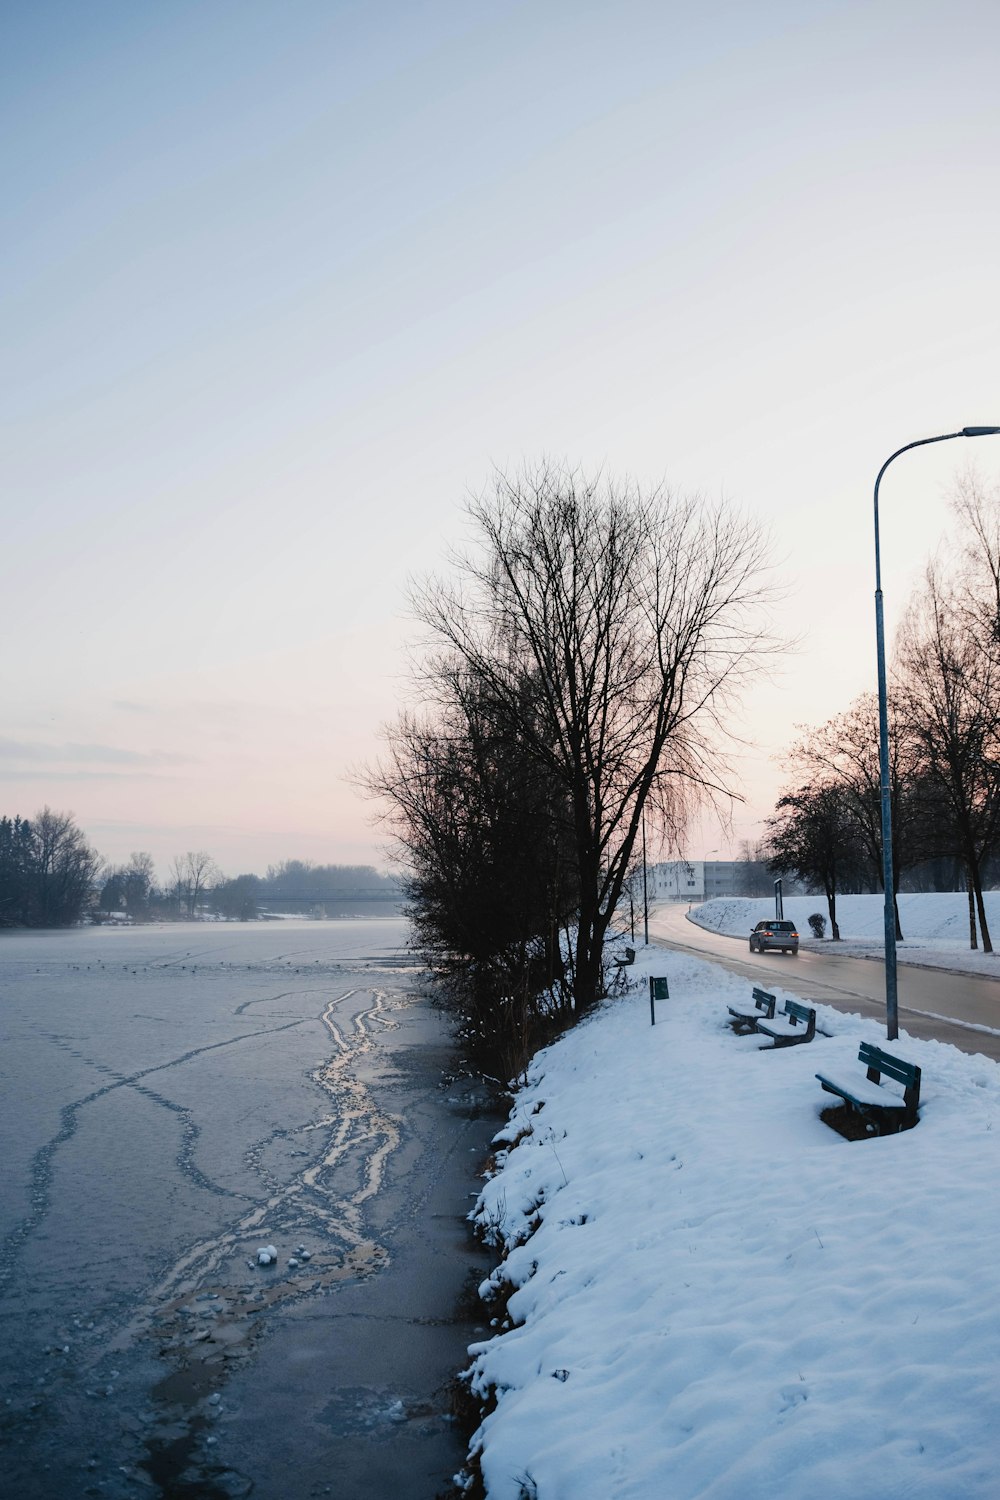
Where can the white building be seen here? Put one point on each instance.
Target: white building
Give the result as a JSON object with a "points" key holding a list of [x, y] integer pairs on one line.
{"points": [[693, 879]]}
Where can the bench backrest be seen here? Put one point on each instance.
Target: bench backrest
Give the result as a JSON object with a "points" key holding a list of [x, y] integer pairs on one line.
{"points": [[878, 1063], [800, 1014], [765, 1002]]}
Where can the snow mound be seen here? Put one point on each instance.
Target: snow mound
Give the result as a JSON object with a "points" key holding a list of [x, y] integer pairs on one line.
{"points": [[712, 1295]]}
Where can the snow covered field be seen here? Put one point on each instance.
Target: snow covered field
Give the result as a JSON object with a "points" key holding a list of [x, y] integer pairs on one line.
{"points": [[720, 1298], [935, 926]]}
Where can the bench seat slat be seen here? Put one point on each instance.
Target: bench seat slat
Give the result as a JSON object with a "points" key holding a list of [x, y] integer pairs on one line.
{"points": [[796, 1024], [862, 1091], [781, 1026]]}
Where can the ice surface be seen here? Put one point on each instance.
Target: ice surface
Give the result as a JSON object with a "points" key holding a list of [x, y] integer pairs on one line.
{"points": [[173, 1100]]}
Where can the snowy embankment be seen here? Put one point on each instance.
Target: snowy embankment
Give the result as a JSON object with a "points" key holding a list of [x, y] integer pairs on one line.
{"points": [[935, 926], [717, 1297]]}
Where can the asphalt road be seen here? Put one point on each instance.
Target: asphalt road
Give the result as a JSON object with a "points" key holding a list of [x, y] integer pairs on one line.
{"points": [[962, 1009]]}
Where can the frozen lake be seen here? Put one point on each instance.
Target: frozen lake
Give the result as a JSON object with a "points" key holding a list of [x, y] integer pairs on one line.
{"points": [[172, 1099]]}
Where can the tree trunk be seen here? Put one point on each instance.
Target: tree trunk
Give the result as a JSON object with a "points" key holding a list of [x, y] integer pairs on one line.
{"points": [[973, 943], [587, 980], [977, 886], [895, 884], [831, 902], [895, 894], [589, 943]]}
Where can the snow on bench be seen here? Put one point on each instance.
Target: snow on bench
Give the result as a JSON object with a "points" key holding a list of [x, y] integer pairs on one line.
{"points": [[870, 1098], [746, 1016], [796, 1024]]}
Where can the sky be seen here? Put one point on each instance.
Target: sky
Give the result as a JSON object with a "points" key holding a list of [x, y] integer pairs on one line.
{"points": [[280, 285]]}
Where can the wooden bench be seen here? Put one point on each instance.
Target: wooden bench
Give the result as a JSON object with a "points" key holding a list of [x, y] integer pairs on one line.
{"points": [[868, 1096], [797, 1023], [746, 1017]]}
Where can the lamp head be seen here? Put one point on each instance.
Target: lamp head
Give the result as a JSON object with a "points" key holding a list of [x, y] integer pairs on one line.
{"points": [[979, 431]]}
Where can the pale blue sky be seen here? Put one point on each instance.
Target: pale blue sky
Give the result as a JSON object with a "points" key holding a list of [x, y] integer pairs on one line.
{"points": [[278, 283]]}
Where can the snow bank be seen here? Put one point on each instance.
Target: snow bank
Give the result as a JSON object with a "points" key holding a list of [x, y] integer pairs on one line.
{"points": [[718, 1297]]}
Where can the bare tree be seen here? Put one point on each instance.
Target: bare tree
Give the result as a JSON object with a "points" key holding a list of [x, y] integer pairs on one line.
{"points": [[976, 504], [635, 617], [635, 892], [814, 837], [753, 877], [484, 832], [138, 878], [951, 694], [191, 874], [63, 869], [845, 752]]}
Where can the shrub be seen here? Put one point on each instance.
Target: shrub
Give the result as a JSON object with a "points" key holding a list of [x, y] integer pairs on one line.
{"points": [[817, 923]]}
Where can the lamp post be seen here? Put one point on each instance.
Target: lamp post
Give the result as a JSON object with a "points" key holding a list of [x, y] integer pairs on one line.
{"points": [[704, 872], [888, 880], [645, 889]]}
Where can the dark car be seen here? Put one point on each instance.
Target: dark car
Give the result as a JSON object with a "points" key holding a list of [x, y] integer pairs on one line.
{"points": [[781, 935]]}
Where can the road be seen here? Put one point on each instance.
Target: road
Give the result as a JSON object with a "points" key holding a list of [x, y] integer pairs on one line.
{"points": [[962, 1009]]}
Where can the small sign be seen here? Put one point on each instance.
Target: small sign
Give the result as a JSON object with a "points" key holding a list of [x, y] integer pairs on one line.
{"points": [[657, 991]]}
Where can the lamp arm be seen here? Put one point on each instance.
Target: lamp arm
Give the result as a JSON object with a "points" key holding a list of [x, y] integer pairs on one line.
{"points": [[920, 443]]}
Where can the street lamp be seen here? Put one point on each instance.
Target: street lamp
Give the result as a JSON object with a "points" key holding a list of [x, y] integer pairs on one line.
{"points": [[704, 872], [645, 888], [888, 880]]}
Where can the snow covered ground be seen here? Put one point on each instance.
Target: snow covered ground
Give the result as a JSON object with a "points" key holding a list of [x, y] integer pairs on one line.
{"points": [[935, 926], [717, 1297]]}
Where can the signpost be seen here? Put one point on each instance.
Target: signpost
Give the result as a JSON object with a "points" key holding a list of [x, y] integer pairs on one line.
{"points": [[657, 991]]}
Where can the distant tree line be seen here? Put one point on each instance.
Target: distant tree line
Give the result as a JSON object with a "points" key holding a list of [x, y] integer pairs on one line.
{"points": [[195, 884], [298, 881], [754, 875], [51, 877], [580, 662], [944, 739]]}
